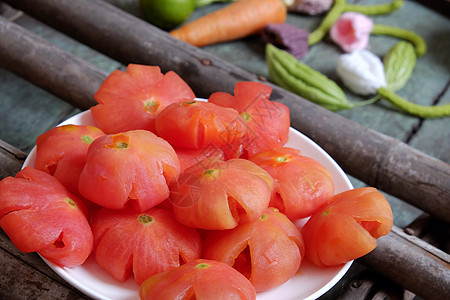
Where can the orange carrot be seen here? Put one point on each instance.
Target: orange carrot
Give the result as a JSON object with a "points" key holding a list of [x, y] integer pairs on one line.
{"points": [[237, 20]]}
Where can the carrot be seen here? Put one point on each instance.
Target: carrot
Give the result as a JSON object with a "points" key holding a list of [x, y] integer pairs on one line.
{"points": [[237, 20]]}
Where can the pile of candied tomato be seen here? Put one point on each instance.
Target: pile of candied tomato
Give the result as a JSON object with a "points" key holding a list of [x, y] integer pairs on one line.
{"points": [[193, 199]]}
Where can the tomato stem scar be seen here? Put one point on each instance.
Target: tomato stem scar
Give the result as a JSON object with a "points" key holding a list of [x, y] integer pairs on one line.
{"points": [[246, 116], [145, 219], [122, 145], [282, 158], [71, 202], [151, 106], [87, 139], [202, 266]]}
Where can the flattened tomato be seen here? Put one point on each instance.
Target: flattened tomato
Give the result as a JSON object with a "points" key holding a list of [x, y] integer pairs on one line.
{"points": [[302, 186], [268, 250], [267, 121], [133, 168], [62, 152], [142, 244], [131, 100], [348, 227], [201, 279], [222, 195], [199, 125], [39, 214]]}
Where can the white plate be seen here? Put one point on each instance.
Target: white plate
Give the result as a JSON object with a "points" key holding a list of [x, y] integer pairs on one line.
{"points": [[310, 282]]}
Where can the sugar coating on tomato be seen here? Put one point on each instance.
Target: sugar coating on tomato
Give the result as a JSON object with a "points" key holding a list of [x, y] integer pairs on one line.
{"points": [[129, 169], [348, 227], [267, 122], [62, 152], [131, 100], [201, 279], [268, 251], [221, 194], [40, 215], [189, 157], [128, 243], [200, 125], [303, 185]]}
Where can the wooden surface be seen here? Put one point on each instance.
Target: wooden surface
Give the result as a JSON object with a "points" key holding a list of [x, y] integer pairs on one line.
{"points": [[27, 111]]}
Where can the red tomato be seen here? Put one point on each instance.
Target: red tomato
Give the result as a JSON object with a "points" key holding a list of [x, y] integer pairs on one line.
{"points": [[201, 279], [39, 214], [133, 168], [268, 250], [62, 152], [143, 244], [267, 121], [222, 195], [348, 227], [303, 185], [200, 125], [131, 100], [189, 157]]}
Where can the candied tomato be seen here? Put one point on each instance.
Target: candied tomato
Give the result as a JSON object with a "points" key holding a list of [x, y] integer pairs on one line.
{"points": [[201, 279], [199, 125], [348, 227], [189, 157], [39, 214], [221, 195], [268, 251], [132, 168], [302, 186], [130, 243], [267, 121], [62, 152], [131, 100]]}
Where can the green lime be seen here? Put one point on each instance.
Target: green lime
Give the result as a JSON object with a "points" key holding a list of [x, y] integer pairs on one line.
{"points": [[167, 14]]}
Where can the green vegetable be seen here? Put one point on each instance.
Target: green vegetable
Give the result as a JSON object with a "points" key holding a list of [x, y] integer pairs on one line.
{"points": [[417, 40], [341, 6], [167, 14], [331, 17], [421, 111], [286, 71], [399, 63], [199, 3], [378, 9]]}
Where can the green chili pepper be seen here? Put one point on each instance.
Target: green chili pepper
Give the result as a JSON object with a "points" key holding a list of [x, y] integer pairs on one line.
{"points": [[421, 111], [286, 71], [378, 9], [341, 6], [331, 17], [399, 63], [417, 40]]}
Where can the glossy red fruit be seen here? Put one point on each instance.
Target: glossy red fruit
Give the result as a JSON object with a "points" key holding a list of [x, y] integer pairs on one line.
{"points": [[222, 195], [200, 279], [62, 152], [131, 100], [302, 186], [128, 243], [268, 251], [267, 121], [130, 169], [348, 227], [39, 214]]}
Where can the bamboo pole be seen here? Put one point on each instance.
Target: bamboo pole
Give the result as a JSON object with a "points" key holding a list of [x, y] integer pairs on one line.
{"points": [[377, 159]]}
